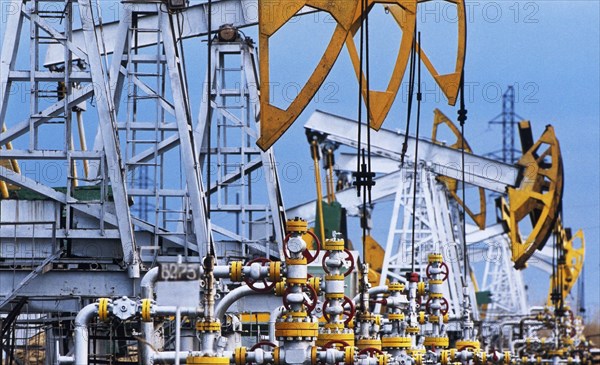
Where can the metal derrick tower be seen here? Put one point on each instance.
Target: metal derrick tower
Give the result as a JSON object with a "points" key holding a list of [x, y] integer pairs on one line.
{"points": [[128, 80], [137, 195], [244, 183], [437, 230]]}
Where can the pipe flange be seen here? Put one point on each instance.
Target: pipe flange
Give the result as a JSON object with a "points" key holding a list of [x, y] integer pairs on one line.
{"points": [[296, 225], [240, 354], [395, 287], [421, 288], [146, 310], [212, 326], [442, 342], [280, 288], [468, 345], [207, 360], [435, 319], [275, 271], [396, 342], [365, 343], [422, 318], [337, 337], [396, 316], [444, 355], [313, 355], [277, 356], [413, 330], [435, 258], [235, 271], [333, 245], [507, 357], [349, 354], [103, 312]]}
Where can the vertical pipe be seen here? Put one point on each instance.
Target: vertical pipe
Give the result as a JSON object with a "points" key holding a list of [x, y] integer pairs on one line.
{"points": [[319, 191], [275, 314], [177, 335], [145, 345], [81, 335], [82, 142]]}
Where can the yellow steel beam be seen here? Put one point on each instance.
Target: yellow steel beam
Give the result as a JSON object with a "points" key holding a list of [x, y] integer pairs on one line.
{"points": [[381, 102], [448, 83], [441, 120], [273, 14]]}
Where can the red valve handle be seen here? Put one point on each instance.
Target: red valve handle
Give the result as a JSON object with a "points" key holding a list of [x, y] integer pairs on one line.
{"points": [[263, 343], [444, 272], [330, 344], [310, 305], [251, 282], [306, 253], [349, 313], [370, 351], [348, 257], [445, 306]]}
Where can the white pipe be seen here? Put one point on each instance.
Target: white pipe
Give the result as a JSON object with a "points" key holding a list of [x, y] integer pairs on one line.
{"points": [[81, 336], [168, 357], [170, 310], [177, 335], [373, 291], [148, 282], [147, 285], [232, 297], [275, 314]]}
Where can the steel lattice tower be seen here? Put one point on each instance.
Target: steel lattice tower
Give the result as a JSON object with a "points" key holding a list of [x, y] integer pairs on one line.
{"points": [[508, 119]]}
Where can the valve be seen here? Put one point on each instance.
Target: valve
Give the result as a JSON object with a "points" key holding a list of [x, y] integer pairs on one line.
{"points": [[445, 306], [310, 298], [349, 257], [375, 353], [344, 346], [263, 343], [306, 253], [349, 313], [330, 344], [444, 271], [268, 286]]}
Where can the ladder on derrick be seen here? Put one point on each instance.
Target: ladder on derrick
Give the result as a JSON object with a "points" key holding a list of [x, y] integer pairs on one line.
{"points": [[243, 180]]}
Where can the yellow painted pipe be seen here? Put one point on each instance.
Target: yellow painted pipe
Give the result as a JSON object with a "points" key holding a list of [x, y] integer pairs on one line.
{"points": [[319, 191]]}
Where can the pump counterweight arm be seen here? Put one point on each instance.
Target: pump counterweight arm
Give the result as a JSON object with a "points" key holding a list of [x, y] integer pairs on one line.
{"points": [[480, 171]]}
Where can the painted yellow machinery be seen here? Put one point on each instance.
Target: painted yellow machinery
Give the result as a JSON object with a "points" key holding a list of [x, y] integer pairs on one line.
{"points": [[538, 197], [570, 265], [440, 120], [274, 14], [9, 164]]}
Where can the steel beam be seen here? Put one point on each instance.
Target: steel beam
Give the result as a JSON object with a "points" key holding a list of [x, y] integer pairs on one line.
{"points": [[446, 161], [90, 209], [68, 284], [107, 124], [10, 44], [240, 13], [385, 186], [186, 139]]}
